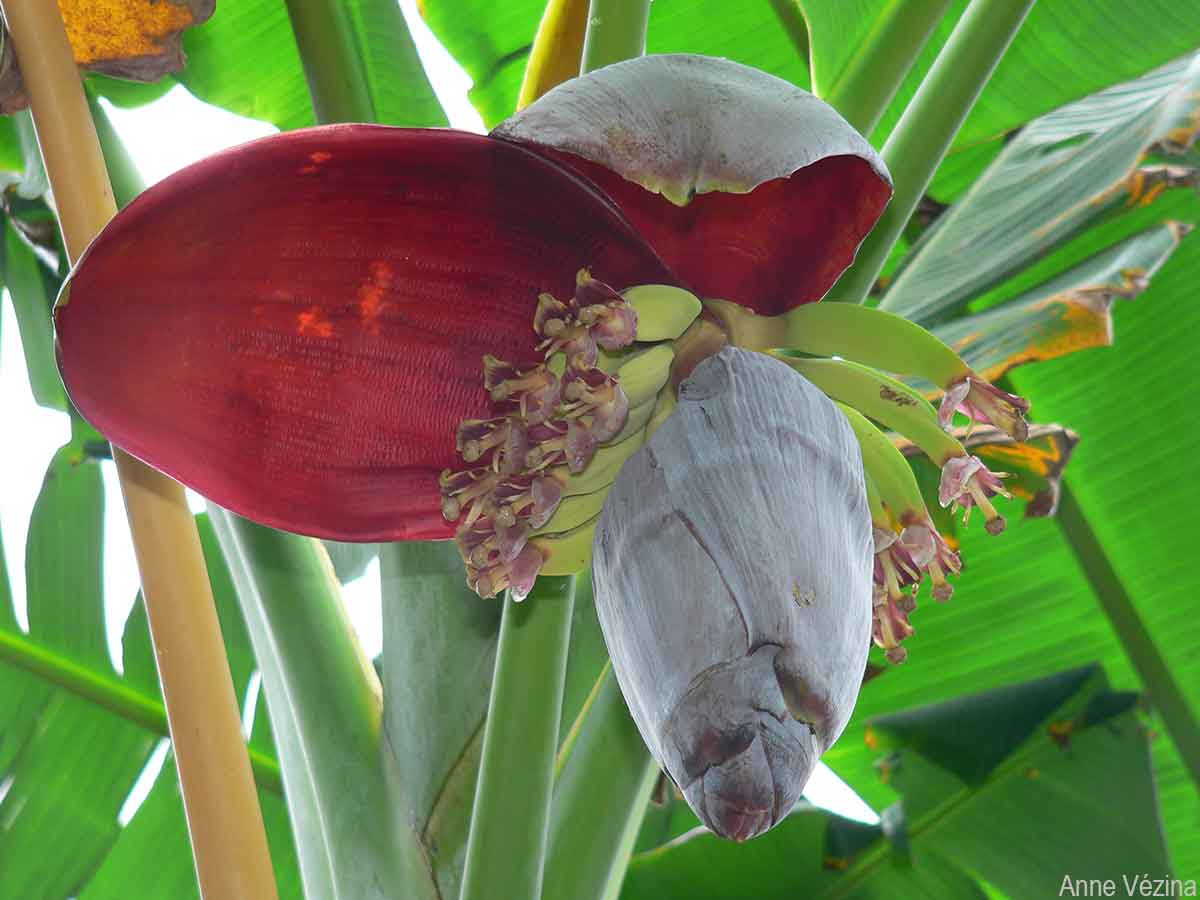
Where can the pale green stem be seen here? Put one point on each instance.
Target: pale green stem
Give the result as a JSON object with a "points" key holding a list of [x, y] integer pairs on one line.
{"points": [[616, 30], [337, 81], [326, 711], [600, 799], [511, 816], [876, 71], [926, 130]]}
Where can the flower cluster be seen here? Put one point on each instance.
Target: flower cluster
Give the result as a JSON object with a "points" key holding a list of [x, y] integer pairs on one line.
{"points": [[908, 547], [902, 560], [548, 422]]}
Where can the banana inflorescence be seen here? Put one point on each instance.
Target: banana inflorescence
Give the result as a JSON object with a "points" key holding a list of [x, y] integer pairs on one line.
{"points": [[565, 429]]}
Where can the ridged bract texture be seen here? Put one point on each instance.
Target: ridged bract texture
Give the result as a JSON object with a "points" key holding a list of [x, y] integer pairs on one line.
{"points": [[295, 327], [732, 574]]}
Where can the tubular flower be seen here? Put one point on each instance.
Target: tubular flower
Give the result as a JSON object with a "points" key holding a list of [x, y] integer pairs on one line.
{"points": [[980, 401], [374, 334], [967, 482]]}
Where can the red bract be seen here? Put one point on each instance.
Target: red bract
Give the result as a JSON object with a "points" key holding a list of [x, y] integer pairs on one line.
{"points": [[296, 327]]}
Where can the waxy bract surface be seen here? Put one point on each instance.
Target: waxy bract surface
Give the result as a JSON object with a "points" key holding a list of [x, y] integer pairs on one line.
{"points": [[295, 327]]}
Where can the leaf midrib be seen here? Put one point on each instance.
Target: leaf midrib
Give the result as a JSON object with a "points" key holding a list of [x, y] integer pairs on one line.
{"points": [[111, 694]]}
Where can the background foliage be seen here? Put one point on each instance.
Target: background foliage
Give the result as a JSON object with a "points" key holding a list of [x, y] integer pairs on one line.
{"points": [[1064, 218]]}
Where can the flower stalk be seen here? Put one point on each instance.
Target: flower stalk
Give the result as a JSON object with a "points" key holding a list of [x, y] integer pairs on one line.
{"points": [[224, 820], [616, 30], [510, 818], [866, 86], [925, 131], [332, 63]]}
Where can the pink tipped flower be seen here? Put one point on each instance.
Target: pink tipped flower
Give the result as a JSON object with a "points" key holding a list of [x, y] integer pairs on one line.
{"points": [[891, 626], [967, 482], [894, 568], [984, 402], [932, 555]]}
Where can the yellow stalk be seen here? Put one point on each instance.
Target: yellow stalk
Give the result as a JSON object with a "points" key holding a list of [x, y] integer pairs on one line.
{"points": [[557, 49], [225, 822]]}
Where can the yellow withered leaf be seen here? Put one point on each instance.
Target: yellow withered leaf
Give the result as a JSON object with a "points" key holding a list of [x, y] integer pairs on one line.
{"points": [[134, 39]]}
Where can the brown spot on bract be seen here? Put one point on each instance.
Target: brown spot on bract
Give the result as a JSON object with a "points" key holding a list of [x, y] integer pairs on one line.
{"points": [[320, 156]]}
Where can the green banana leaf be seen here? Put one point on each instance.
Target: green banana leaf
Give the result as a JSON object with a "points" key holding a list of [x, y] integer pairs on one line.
{"points": [[75, 735], [1067, 313], [245, 59], [1065, 50], [999, 794], [1061, 173], [31, 289]]}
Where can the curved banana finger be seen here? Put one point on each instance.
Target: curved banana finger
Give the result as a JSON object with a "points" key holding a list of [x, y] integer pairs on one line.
{"points": [[664, 312], [884, 399], [886, 467], [872, 337]]}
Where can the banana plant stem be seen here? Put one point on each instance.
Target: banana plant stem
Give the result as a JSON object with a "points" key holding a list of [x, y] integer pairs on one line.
{"points": [[228, 839], [616, 30], [511, 816], [928, 126], [600, 799], [876, 71], [337, 81]]}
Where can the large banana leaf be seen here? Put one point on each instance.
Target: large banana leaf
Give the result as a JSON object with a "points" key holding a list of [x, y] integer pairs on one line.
{"points": [[1060, 174], [75, 734], [245, 59], [1066, 49], [998, 793]]}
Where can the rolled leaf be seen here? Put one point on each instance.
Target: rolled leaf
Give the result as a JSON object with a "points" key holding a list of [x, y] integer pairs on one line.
{"points": [[295, 327], [732, 570], [673, 139]]}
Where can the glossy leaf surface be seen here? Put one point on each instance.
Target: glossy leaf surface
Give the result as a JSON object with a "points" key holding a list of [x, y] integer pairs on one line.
{"points": [[76, 734], [1066, 314], [998, 792], [318, 311], [1058, 175]]}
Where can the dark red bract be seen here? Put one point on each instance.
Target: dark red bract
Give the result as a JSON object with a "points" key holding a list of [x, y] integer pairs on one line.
{"points": [[295, 327]]}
